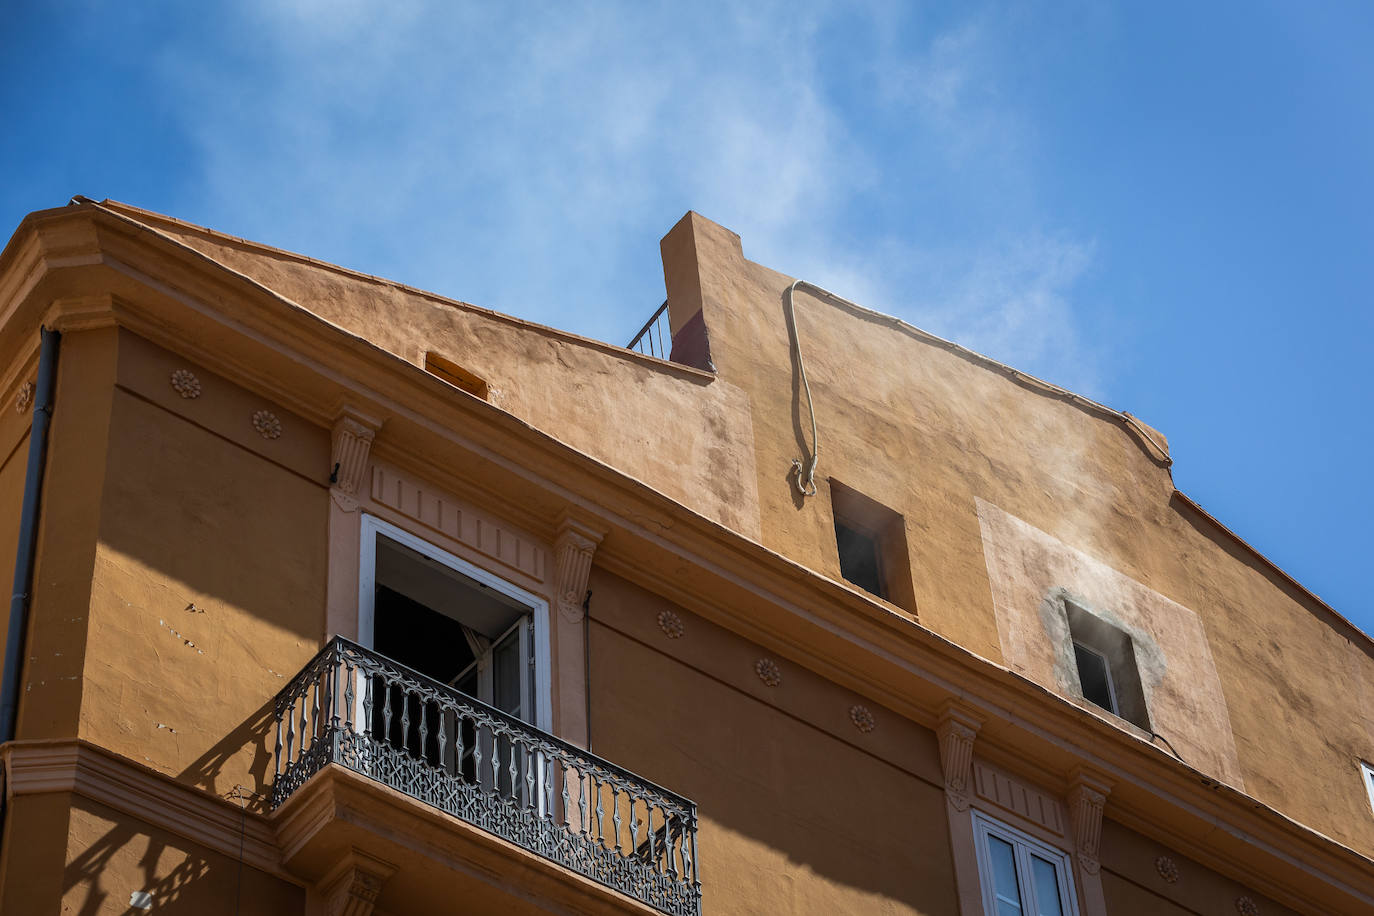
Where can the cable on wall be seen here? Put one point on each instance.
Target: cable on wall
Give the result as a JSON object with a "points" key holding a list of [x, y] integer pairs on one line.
{"points": [[804, 473]]}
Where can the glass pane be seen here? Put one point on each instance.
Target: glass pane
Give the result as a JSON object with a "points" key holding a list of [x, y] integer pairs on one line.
{"points": [[506, 674], [1004, 888], [1045, 877], [1093, 675]]}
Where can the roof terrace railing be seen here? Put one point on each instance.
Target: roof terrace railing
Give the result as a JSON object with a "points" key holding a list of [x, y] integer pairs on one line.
{"points": [[656, 337], [365, 712]]}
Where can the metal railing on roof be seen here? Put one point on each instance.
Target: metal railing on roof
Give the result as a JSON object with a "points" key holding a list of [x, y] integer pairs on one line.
{"points": [[656, 337], [372, 715]]}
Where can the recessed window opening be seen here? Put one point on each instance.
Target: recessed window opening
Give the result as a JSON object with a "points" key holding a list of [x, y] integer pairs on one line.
{"points": [[455, 375], [1104, 659], [1021, 875], [871, 542], [1367, 774]]}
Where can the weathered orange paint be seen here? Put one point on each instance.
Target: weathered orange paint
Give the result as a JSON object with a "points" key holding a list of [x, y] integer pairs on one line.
{"points": [[190, 565]]}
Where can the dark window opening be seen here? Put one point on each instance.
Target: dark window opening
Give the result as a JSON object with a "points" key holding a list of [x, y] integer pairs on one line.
{"points": [[871, 542], [859, 559], [430, 617]]}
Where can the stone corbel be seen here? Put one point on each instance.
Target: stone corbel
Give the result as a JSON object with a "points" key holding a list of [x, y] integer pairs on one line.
{"points": [[1086, 797], [353, 886], [956, 731], [353, 435], [573, 548]]}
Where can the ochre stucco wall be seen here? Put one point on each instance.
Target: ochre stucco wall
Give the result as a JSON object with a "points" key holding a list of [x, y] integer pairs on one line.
{"points": [[32, 875], [1134, 886], [58, 618], [209, 579], [110, 856], [800, 812]]}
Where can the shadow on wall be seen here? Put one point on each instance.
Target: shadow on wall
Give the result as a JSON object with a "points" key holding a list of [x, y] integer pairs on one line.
{"points": [[255, 732], [166, 890]]}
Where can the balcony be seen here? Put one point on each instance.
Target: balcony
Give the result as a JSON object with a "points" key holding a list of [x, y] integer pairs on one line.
{"points": [[374, 762]]}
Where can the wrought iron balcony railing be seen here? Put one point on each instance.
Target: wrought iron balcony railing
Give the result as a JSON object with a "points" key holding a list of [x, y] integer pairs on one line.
{"points": [[655, 338], [361, 710]]}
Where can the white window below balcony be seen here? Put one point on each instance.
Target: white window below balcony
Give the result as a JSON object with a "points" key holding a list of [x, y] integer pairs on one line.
{"points": [[1020, 875]]}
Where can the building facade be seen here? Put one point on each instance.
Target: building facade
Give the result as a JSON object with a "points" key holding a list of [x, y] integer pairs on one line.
{"points": [[336, 596]]}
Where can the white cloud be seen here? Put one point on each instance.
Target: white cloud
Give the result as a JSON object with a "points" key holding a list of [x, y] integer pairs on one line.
{"points": [[528, 158]]}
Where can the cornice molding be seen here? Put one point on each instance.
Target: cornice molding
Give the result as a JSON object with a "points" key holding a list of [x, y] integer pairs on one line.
{"points": [[83, 313], [38, 767]]}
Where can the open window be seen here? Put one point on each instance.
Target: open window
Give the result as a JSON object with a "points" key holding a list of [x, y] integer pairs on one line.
{"points": [[1105, 662], [1367, 774], [1021, 875], [871, 541], [453, 622]]}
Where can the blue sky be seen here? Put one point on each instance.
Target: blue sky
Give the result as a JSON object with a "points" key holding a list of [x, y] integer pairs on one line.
{"points": [[1168, 207]]}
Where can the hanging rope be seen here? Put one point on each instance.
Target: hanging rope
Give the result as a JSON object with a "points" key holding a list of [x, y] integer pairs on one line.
{"points": [[805, 473]]}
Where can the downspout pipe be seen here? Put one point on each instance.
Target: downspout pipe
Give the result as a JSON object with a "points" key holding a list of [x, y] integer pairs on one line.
{"points": [[28, 534]]}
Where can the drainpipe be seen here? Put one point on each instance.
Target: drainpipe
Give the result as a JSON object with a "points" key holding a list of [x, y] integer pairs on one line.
{"points": [[28, 534]]}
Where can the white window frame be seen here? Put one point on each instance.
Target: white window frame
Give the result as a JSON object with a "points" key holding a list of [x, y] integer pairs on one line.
{"points": [[1023, 845], [1107, 669], [1367, 774], [371, 527]]}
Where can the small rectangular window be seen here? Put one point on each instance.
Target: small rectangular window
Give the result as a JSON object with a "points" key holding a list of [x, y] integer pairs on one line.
{"points": [[1104, 659], [870, 540], [1021, 875]]}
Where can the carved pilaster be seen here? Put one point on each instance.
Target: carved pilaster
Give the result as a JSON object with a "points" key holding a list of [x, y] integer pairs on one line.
{"points": [[353, 435], [957, 729], [573, 548], [353, 886], [1086, 798]]}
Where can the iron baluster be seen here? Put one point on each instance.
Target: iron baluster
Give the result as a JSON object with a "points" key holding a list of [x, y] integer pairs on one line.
{"points": [[276, 753], [495, 762], [386, 711], [653, 857], [527, 758], [584, 822], [300, 737], [615, 814], [600, 812]]}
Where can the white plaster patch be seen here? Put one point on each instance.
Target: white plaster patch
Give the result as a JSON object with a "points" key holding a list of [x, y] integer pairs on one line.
{"points": [[1028, 569]]}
